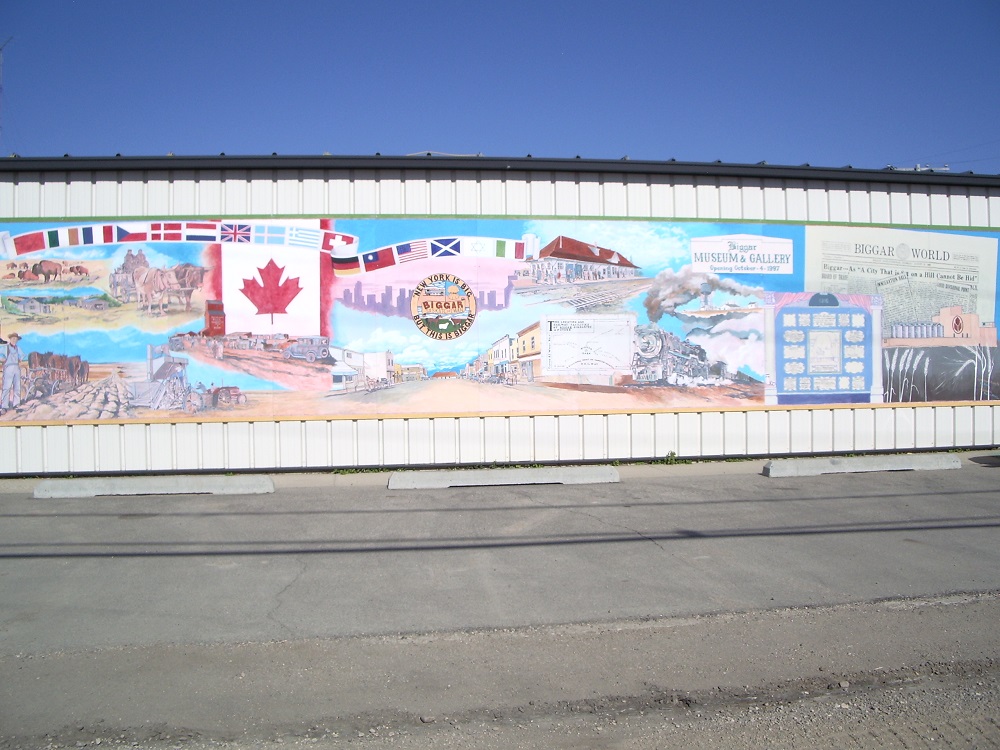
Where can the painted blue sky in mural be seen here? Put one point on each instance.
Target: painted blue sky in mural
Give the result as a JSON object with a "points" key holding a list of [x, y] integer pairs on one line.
{"points": [[831, 84]]}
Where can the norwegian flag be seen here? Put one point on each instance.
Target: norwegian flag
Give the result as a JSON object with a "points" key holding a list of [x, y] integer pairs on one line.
{"points": [[235, 233]]}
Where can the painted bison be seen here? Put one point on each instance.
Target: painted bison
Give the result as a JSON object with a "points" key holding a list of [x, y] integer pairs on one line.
{"points": [[49, 269]]}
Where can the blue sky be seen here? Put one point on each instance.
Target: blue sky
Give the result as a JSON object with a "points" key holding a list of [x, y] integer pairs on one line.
{"points": [[866, 83]]}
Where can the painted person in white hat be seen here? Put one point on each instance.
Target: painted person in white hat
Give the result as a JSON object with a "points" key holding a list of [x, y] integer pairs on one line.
{"points": [[11, 373]]}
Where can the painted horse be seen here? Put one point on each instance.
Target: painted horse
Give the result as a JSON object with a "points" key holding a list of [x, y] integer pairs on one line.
{"points": [[152, 287]]}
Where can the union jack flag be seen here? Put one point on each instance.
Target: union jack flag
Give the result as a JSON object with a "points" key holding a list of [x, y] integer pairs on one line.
{"points": [[235, 233]]}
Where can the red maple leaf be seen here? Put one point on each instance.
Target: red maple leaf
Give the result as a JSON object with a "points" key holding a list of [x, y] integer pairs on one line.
{"points": [[271, 296]]}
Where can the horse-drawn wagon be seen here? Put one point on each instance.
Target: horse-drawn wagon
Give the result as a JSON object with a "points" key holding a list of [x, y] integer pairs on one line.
{"points": [[153, 287], [49, 373]]}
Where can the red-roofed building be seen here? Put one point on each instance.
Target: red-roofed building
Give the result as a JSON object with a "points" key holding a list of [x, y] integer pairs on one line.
{"points": [[565, 260]]}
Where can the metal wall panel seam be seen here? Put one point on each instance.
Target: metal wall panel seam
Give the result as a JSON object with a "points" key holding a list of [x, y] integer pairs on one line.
{"points": [[70, 465], [303, 449], [354, 443], [95, 448], [122, 462], [173, 447], [44, 449], [227, 459], [959, 201], [381, 442], [406, 442], [328, 443], [606, 437], [993, 210], [938, 206], [580, 438]]}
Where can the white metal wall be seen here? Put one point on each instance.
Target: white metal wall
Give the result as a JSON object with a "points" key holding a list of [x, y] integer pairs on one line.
{"points": [[460, 193], [185, 446]]}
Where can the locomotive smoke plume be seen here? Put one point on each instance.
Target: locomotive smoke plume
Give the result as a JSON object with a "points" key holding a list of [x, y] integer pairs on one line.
{"points": [[731, 337], [672, 289]]}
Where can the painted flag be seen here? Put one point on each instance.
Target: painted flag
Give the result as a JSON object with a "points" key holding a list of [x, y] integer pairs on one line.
{"points": [[124, 234], [290, 269], [29, 243], [379, 259], [415, 250], [235, 233], [165, 232], [346, 266], [201, 231], [335, 240], [501, 248], [269, 234], [519, 250], [304, 237], [445, 247]]}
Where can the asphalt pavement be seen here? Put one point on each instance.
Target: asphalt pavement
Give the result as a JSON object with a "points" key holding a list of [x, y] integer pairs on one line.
{"points": [[125, 612]]}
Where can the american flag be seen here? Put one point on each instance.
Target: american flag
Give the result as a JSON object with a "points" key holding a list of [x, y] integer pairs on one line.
{"points": [[414, 250], [235, 233]]}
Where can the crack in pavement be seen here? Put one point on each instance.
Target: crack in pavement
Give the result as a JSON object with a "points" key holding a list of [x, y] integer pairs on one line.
{"points": [[272, 612]]}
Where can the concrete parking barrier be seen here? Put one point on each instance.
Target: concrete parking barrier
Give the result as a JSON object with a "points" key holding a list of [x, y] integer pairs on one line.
{"points": [[809, 467], [188, 484]]}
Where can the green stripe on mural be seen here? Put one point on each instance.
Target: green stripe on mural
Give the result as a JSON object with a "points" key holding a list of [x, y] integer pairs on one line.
{"points": [[501, 249], [53, 237]]}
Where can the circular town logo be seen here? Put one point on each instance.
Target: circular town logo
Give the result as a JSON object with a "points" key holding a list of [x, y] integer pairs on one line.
{"points": [[443, 306]]}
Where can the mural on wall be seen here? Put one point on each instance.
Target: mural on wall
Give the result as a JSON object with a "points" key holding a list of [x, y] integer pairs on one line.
{"points": [[310, 318]]}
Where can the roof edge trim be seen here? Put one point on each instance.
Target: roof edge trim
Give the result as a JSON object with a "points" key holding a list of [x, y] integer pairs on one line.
{"points": [[125, 164]]}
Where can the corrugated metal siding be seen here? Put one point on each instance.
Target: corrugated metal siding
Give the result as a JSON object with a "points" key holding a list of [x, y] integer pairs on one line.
{"points": [[79, 449], [470, 193], [234, 446]]}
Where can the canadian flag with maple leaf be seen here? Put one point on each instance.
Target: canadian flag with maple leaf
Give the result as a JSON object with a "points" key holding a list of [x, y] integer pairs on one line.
{"points": [[269, 289]]}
